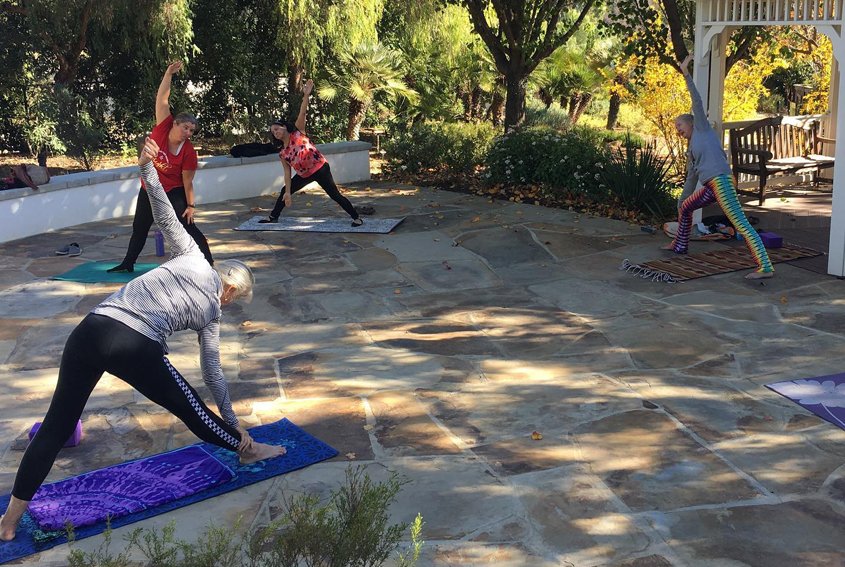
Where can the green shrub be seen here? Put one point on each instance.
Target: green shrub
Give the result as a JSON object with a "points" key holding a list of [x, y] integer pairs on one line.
{"points": [[458, 147], [351, 528], [639, 179], [553, 117]]}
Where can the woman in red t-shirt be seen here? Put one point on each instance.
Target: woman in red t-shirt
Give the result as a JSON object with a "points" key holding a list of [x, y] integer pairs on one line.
{"points": [[176, 164], [299, 154]]}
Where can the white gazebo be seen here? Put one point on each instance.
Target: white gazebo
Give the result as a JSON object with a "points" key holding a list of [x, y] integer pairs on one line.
{"points": [[716, 19]]}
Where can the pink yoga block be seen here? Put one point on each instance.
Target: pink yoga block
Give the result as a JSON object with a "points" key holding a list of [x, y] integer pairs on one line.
{"points": [[74, 440], [771, 240]]}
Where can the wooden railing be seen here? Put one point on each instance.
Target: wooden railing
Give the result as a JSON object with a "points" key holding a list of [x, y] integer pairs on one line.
{"points": [[804, 12]]}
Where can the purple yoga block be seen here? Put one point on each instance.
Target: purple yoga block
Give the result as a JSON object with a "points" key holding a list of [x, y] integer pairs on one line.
{"points": [[75, 437], [771, 240]]}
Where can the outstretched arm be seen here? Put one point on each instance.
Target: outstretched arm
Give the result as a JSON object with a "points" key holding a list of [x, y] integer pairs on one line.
{"points": [[698, 112], [303, 108], [177, 237], [212, 372], [163, 94], [287, 196]]}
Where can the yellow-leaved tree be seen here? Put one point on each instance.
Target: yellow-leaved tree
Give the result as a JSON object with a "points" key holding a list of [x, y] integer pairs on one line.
{"points": [[662, 95]]}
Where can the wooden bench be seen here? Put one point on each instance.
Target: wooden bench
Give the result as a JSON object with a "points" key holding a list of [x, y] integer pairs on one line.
{"points": [[779, 144], [376, 134]]}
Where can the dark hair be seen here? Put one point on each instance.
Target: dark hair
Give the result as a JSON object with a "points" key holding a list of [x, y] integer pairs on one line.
{"points": [[286, 124]]}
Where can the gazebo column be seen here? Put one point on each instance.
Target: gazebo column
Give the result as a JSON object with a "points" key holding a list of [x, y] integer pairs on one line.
{"points": [[708, 74], [836, 250]]}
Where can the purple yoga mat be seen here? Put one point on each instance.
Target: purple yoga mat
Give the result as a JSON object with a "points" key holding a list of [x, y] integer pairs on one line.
{"points": [[824, 396], [127, 488]]}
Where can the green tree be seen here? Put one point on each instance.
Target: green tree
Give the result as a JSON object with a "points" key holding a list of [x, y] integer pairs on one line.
{"points": [[446, 63], [361, 76], [95, 49], [576, 71], [664, 29], [520, 34], [236, 71]]}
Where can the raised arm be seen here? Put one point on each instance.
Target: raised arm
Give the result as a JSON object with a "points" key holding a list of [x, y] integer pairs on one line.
{"points": [[698, 112], [303, 108], [163, 94], [177, 237]]}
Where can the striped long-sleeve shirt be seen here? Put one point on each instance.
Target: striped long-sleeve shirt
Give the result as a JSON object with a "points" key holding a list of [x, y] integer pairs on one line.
{"points": [[183, 293]]}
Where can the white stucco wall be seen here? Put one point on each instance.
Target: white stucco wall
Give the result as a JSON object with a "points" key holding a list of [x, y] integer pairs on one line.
{"points": [[78, 198]]}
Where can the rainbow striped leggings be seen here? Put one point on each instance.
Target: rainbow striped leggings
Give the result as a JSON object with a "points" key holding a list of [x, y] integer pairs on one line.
{"points": [[722, 189]]}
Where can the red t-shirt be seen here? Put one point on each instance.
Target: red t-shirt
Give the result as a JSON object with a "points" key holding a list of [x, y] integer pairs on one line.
{"points": [[302, 155], [170, 166]]}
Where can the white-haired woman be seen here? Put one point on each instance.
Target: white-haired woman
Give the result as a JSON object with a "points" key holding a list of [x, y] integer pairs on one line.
{"points": [[706, 162], [126, 335]]}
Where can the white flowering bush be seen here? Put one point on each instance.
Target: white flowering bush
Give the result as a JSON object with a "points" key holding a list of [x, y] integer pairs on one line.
{"points": [[563, 163]]}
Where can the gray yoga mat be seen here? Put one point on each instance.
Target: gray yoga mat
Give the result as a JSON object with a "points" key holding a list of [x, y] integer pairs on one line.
{"points": [[314, 224]]}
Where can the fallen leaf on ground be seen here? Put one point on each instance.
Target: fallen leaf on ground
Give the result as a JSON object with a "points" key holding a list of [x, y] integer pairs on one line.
{"points": [[397, 291], [368, 428], [351, 456], [536, 435]]}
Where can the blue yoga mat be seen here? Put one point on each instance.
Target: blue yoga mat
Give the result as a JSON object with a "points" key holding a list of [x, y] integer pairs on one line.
{"points": [[302, 450], [95, 272]]}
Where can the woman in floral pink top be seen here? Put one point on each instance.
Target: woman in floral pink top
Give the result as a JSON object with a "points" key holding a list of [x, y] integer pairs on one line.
{"points": [[299, 154]]}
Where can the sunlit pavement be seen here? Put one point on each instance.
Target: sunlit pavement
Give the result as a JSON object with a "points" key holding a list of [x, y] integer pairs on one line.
{"points": [[437, 350]]}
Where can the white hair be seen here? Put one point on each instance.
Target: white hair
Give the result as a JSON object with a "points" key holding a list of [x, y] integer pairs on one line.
{"points": [[688, 118], [238, 275]]}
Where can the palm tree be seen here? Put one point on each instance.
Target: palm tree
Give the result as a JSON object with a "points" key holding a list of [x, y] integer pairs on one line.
{"points": [[577, 70], [362, 74]]}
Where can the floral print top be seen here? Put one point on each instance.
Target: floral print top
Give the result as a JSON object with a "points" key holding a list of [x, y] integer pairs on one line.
{"points": [[302, 155]]}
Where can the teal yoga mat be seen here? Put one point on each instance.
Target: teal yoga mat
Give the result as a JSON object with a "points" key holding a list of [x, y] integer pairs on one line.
{"points": [[95, 272]]}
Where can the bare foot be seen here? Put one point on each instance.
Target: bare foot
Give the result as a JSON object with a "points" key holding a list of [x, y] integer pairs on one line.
{"points": [[260, 451], [670, 246], [759, 275], [6, 534], [10, 520]]}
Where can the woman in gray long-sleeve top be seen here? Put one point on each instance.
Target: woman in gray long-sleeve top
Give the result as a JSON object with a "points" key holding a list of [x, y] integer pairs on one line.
{"points": [[126, 336], [706, 162]]}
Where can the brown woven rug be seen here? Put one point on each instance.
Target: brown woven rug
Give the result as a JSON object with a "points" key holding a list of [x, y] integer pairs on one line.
{"points": [[692, 266]]}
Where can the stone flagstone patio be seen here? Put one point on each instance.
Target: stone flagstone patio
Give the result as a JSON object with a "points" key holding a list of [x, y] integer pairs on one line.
{"points": [[436, 350]]}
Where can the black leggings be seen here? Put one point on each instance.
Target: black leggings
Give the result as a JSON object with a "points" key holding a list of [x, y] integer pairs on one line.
{"points": [[323, 176], [144, 220], [100, 344]]}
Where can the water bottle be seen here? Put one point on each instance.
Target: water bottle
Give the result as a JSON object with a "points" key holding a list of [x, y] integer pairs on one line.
{"points": [[159, 243]]}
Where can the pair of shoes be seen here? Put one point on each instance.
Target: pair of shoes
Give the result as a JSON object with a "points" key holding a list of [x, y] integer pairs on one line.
{"points": [[72, 249], [357, 222], [268, 220], [122, 269]]}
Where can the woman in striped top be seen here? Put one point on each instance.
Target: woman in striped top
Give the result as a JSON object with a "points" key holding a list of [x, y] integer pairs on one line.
{"points": [[126, 336]]}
